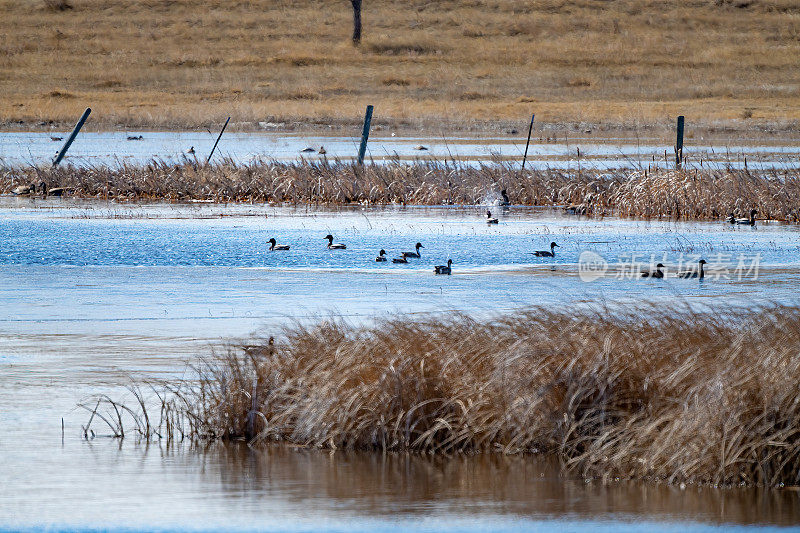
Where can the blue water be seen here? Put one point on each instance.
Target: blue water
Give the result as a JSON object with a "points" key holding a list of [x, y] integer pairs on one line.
{"points": [[94, 294], [113, 148]]}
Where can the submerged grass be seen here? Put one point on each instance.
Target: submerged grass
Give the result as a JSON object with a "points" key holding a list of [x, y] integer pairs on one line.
{"points": [[707, 193], [645, 393]]}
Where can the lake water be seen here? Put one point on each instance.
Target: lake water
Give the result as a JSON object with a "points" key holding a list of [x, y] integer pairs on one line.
{"points": [[571, 153], [95, 294]]}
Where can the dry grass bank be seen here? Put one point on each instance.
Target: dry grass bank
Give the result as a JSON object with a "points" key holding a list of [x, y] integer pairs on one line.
{"points": [[647, 393], [707, 193], [187, 63]]}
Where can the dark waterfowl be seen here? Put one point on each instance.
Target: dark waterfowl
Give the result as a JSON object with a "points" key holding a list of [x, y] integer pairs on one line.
{"points": [[135, 137], [56, 191], [401, 259], [414, 254], [381, 257], [691, 274], [442, 269], [332, 246], [489, 219], [657, 273], [273, 246], [504, 201], [56, 138], [420, 147], [322, 150], [307, 150], [747, 221], [545, 253], [190, 150]]}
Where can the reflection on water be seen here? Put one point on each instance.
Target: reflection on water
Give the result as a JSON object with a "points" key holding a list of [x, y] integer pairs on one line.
{"points": [[91, 298]]}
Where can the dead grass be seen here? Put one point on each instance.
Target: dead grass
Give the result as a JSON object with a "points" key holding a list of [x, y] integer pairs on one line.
{"points": [[709, 193], [646, 393], [623, 62]]}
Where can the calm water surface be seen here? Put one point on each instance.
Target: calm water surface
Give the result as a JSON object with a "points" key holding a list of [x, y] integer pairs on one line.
{"points": [[93, 295], [571, 152]]}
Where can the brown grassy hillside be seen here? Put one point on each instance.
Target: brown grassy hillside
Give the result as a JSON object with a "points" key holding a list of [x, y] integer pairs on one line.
{"points": [[181, 63]]}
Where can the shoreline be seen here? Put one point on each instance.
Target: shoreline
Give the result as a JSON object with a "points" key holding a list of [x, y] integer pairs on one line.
{"points": [[737, 129]]}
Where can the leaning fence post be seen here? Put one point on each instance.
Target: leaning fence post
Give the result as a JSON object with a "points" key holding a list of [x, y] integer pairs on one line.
{"points": [[61, 153], [679, 144], [530, 130], [218, 138], [362, 150]]}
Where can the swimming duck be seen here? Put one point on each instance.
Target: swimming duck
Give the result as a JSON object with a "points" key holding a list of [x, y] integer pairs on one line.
{"points": [[307, 150], [413, 254], [24, 190], [731, 218], [332, 246], [381, 257], [420, 147], [56, 138], [489, 219], [441, 269], [691, 274], [190, 150], [657, 274], [135, 137], [748, 221], [273, 246], [401, 259], [545, 253], [504, 198], [56, 191], [322, 150]]}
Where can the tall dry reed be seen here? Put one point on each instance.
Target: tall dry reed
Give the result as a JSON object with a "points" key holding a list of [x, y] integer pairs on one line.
{"points": [[693, 194], [646, 393]]}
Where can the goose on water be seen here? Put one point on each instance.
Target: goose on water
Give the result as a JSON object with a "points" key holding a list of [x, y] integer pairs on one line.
{"points": [[414, 254], [691, 274], [332, 246], [441, 269], [489, 219], [545, 253], [657, 273], [746, 221], [381, 257], [274, 246]]}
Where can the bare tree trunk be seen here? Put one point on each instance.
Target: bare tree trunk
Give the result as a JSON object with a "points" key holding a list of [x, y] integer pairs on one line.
{"points": [[356, 21]]}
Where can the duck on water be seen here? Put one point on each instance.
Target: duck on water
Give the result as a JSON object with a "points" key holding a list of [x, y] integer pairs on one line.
{"points": [[657, 273], [744, 221], [273, 246], [691, 274], [381, 257], [545, 253], [442, 269], [489, 219], [334, 246], [415, 254]]}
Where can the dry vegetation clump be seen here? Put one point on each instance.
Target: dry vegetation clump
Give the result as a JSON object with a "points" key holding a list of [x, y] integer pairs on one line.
{"points": [[709, 193], [648, 393]]}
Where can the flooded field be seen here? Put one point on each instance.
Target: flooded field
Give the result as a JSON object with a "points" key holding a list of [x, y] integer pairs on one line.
{"points": [[95, 294], [557, 151]]}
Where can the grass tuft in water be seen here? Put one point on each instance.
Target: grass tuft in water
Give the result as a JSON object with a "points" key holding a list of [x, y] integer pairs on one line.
{"points": [[640, 393]]}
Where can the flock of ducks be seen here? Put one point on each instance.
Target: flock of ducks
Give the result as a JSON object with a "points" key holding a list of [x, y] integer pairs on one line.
{"points": [[698, 273], [381, 258]]}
